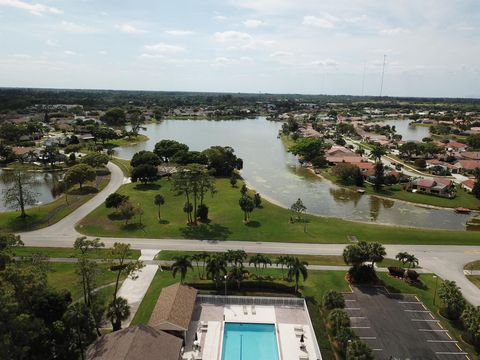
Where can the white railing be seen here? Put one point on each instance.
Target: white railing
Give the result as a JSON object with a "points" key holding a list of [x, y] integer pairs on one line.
{"points": [[249, 300]]}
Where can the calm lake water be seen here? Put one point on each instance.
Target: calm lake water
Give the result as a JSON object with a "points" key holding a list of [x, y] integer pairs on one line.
{"points": [[43, 187], [277, 175], [409, 133]]}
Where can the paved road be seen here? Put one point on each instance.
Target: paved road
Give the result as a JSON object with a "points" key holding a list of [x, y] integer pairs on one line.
{"points": [[446, 261]]}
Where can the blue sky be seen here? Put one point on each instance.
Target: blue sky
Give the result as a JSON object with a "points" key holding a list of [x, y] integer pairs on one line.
{"points": [[278, 46]]}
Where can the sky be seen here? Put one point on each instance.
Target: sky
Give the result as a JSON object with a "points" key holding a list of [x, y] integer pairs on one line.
{"points": [[431, 47]]}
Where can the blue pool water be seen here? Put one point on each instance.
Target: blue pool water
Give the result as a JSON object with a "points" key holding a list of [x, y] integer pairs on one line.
{"points": [[249, 342]]}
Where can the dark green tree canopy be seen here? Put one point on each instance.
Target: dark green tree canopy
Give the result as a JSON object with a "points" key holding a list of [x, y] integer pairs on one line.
{"points": [[145, 157], [166, 149]]}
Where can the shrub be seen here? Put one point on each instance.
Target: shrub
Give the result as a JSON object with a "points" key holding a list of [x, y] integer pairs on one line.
{"points": [[114, 200], [358, 350], [412, 275], [333, 300], [452, 299], [362, 274], [72, 148], [338, 319], [396, 271], [421, 163], [343, 338], [202, 212], [471, 323]]}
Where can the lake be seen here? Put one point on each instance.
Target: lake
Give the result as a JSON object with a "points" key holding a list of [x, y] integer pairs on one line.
{"points": [[43, 187], [408, 132], [277, 175]]}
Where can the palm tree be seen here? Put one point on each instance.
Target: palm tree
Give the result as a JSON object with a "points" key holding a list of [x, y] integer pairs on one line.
{"points": [[260, 259], [182, 264], [401, 256], [376, 252], [377, 152], [216, 268], [297, 268], [237, 273], [411, 260], [159, 200], [196, 258], [204, 256], [236, 257], [117, 311]]}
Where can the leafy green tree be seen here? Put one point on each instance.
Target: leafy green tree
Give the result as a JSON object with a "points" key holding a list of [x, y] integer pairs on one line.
{"points": [[333, 300], [237, 273], [104, 134], [114, 200], [376, 253], [80, 174], [114, 117], [189, 157], [337, 320], [356, 254], [348, 174], [298, 208], [358, 350], [308, 148], [244, 190], [257, 200], [95, 160], [18, 192], [283, 261], [222, 160], [247, 205], [377, 152], [87, 268], [8, 243], [188, 209], [182, 264], [145, 157], [166, 149], [80, 327], [452, 299], [159, 200], [471, 323], [379, 177], [233, 180], [144, 173], [127, 211], [297, 268], [473, 141]]}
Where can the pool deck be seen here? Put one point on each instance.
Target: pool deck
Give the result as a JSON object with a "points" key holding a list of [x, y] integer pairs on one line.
{"points": [[290, 321]]}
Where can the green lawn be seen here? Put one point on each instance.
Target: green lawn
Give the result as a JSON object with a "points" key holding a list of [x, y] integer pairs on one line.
{"points": [[123, 164], [336, 260], [128, 141], [474, 279], [269, 223], [64, 276], [55, 252], [48, 214], [463, 198], [474, 265]]}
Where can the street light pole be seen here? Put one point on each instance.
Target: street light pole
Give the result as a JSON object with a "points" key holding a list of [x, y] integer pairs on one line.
{"points": [[225, 277], [435, 292]]}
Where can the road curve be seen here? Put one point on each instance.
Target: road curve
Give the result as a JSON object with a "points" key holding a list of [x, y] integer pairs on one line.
{"points": [[445, 260]]}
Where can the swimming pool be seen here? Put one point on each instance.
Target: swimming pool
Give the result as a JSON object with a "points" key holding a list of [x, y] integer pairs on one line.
{"points": [[244, 341]]}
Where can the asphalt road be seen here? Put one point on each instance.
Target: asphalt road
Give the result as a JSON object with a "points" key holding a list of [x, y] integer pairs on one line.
{"points": [[446, 261]]}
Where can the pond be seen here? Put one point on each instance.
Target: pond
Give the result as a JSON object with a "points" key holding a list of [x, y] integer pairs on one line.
{"points": [[408, 132], [277, 175], [43, 187]]}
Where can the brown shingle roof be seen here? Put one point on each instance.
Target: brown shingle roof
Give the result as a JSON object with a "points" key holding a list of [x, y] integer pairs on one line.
{"points": [[139, 342], [175, 306]]}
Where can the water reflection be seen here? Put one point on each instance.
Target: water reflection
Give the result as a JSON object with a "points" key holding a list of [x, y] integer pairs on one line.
{"points": [[277, 175], [408, 132]]}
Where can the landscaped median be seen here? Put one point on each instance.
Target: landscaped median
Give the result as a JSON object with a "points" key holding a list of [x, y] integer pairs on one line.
{"points": [[474, 266], [268, 223]]}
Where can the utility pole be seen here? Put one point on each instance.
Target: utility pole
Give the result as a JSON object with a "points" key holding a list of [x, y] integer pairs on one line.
{"points": [[383, 73]]}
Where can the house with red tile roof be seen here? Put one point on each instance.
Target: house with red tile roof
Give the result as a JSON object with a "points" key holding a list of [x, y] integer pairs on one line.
{"points": [[434, 186], [453, 145], [466, 166], [468, 185]]}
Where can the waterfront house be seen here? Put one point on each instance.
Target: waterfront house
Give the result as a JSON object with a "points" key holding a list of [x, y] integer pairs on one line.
{"points": [[453, 145], [434, 186]]}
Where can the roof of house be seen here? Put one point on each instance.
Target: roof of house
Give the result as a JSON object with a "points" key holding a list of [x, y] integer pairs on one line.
{"points": [[174, 306], [470, 183], [474, 155], [20, 150], [455, 144], [439, 183], [138, 342], [468, 164], [347, 159]]}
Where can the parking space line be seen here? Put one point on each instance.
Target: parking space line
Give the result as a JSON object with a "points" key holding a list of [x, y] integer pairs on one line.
{"points": [[377, 349], [433, 330], [449, 336], [358, 317], [350, 300], [367, 337], [442, 341], [417, 311], [427, 320], [409, 302], [360, 327], [352, 308], [450, 353]]}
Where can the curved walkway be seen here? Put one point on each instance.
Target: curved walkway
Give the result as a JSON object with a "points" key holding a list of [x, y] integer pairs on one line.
{"points": [[445, 260]]}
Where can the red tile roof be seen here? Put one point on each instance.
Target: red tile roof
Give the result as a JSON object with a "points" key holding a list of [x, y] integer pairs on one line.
{"points": [[469, 164]]}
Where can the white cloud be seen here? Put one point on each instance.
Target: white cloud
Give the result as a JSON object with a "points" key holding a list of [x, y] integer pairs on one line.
{"points": [[76, 28], [130, 29], [355, 19], [326, 22], [164, 48], [51, 43], [232, 36], [326, 62], [253, 23], [220, 18], [69, 52], [178, 32], [103, 52], [21, 56], [225, 61], [393, 31], [35, 9], [280, 54]]}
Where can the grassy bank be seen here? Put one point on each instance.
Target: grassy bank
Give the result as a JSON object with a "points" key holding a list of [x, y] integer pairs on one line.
{"points": [[335, 260], [128, 141], [269, 223], [475, 279], [474, 265], [123, 164], [48, 214], [55, 252], [463, 198]]}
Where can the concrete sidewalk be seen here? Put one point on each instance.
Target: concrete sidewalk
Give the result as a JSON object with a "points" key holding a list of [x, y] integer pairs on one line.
{"points": [[135, 290]]}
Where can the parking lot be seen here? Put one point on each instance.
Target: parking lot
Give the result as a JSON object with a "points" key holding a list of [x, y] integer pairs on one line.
{"points": [[399, 326]]}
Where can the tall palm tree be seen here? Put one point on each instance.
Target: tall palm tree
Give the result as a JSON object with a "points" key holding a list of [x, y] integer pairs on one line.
{"points": [[216, 268], [237, 273], [118, 310], [196, 258], [182, 264], [401, 256], [159, 200], [377, 152], [204, 256], [297, 268], [377, 252], [260, 260], [411, 260]]}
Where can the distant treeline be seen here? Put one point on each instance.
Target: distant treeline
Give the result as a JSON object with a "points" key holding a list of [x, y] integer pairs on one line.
{"points": [[15, 99]]}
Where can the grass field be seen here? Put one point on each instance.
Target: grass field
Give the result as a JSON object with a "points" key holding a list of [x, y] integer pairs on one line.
{"points": [[474, 265], [123, 164], [127, 141], [54, 252], [317, 283], [48, 214], [335, 260], [269, 223], [63, 276], [474, 279]]}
